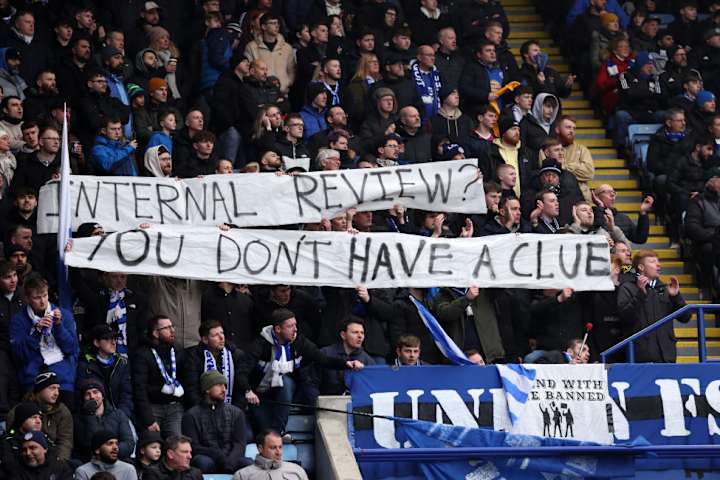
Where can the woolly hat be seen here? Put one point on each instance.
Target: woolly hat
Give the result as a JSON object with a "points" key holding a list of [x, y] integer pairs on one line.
{"points": [[44, 380], [712, 173], [156, 83], [37, 437], [13, 248], [13, 54], [449, 150], [507, 122], [382, 92], [155, 33], [134, 90], [90, 383], [211, 378], [314, 89], [704, 96], [146, 438], [108, 52], [24, 411], [606, 18], [641, 59], [100, 438], [445, 92], [550, 165]]}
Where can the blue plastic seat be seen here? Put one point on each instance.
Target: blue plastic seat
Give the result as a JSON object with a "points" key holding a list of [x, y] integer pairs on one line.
{"points": [[217, 476], [639, 135], [290, 452]]}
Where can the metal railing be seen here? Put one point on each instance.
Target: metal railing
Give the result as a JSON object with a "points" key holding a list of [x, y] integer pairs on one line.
{"points": [[629, 343]]}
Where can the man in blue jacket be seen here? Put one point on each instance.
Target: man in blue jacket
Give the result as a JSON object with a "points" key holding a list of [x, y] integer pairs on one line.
{"points": [[111, 155], [43, 335]]}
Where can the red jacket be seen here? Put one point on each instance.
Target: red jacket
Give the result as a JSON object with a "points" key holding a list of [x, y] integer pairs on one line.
{"points": [[607, 80]]}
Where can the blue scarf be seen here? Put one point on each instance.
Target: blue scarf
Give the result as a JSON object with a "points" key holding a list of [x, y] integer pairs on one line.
{"points": [[675, 136], [429, 91], [226, 368], [117, 314]]}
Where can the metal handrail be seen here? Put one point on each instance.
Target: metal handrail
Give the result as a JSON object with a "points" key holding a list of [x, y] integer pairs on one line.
{"points": [[629, 343], [464, 453]]}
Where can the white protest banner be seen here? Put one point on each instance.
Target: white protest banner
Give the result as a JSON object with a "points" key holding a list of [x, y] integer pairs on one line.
{"points": [[568, 402], [264, 199], [338, 259]]}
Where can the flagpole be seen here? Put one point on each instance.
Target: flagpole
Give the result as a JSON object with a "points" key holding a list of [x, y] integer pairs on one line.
{"points": [[64, 225]]}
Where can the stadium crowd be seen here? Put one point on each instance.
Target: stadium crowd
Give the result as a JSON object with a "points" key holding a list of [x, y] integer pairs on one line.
{"points": [[160, 378]]}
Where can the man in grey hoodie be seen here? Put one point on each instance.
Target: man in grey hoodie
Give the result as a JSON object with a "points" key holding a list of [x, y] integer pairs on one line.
{"points": [[105, 459]]}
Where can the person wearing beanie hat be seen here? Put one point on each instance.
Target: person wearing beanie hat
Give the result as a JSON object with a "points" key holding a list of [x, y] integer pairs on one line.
{"points": [[702, 115], [381, 117], [148, 451], [97, 417], [45, 380], [313, 112], [134, 90], [156, 83], [106, 451], [508, 149], [602, 37], [450, 122], [33, 461], [641, 98], [26, 417], [215, 449], [703, 97], [686, 30]]}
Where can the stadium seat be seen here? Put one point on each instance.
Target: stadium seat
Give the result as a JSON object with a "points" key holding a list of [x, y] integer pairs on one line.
{"points": [[217, 476], [639, 135], [290, 452]]}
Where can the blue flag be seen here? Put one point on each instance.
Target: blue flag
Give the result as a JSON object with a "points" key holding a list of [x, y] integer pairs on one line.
{"points": [[517, 382], [443, 341], [423, 434]]}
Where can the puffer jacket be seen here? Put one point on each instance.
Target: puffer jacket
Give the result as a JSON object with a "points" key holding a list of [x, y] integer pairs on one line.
{"points": [[113, 420], [217, 430]]}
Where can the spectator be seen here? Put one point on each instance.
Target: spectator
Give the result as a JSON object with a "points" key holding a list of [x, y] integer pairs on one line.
{"points": [[269, 460], [676, 70], [216, 52], [604, 198], [508, 220], [258, 91], [584, 224], [71, 73], [11, 82], [336, 135], [522, 105], [111, 155], [352, 335], [290, 146], [506, 59], [97, 415], [298, 301], [35, 463], [669, 144], [687, 179], [607, 82], [701, 227], [175, 464], [216, 428], [647, 300], [168, 124], [44, 335], [417, 142], [202, 158], [331, 76], [270, 46], [407, 351], [27, 418], [156, 388], [707, 59], [578, 159], [381, 120], [148, 451], [40, 96], [539, 76], [480, 139], [406, 320], [107, 450], [12, 115], [478, 13], [509, 149], [309, 58], [232, 305], [147, 66], [313, 112], [328, 159], [366, 75], [701, 116], [427, 80], [577, 352], [545, 216], [11, 302], [31, 139], [538, 124], [481, 77], [33, 49], [557, 317], [57, 421], [60, 46], [8, 163], [212, 353], [108, 368], [114, 64], [470, 318], [97, 106], [448, 60], [227, 111], [641, 97], [645, 40], [692, 85], [450, 122], [274, 380], [603, 38], [686, 30]]}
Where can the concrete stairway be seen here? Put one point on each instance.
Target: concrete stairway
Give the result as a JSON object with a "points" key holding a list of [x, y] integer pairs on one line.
{"points": [[526, 24]]}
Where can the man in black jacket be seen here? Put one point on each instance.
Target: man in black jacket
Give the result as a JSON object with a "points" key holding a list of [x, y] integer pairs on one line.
{"points": [[508, 220], [157, 390], [216, 428], [213, 353], [201, 160], [604, 197], [552, 178], [11, 302], [291, 146], [35, 462], [175, 464], [33, 48], [226, 103], [543, 79], [278, 354], [702, 226], [295, 299], [96, 106], [350, 347], [72, 72], [481, 77], [417, 142], [644, 302], [39, 167], [395, 79], [232, 305], [506, 59], [39, 97]]}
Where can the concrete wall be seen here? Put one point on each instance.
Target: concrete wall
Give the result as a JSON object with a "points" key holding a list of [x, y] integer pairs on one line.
{"points": [[334, 459]]}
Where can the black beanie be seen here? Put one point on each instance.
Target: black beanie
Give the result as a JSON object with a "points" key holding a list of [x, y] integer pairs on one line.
{"points": [[24, 411], [100, 437], [44, 380]]}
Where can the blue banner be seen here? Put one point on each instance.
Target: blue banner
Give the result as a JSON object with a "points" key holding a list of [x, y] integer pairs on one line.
{"points": [[660, 404]]}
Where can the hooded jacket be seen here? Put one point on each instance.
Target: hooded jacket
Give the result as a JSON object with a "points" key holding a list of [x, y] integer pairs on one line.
{"points": [[374, 126], [152, 162], [87, 424], [11, 82], [452, 124], [533, 129], [113, 157]]}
